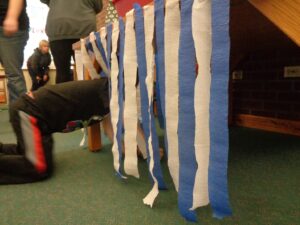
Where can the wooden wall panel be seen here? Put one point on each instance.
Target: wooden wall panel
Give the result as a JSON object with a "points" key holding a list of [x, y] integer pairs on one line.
{"points": [[284, 14]]}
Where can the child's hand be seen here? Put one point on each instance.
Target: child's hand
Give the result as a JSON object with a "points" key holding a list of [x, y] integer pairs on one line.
{"points": [[37, 77]]}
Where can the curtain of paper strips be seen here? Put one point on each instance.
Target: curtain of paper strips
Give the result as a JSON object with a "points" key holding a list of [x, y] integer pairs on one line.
{"points": [[188, 34]]}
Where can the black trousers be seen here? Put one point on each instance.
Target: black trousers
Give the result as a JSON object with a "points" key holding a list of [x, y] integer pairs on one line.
{"points": [[62, 52], [31, 159], [53, 108], [36, 84]]}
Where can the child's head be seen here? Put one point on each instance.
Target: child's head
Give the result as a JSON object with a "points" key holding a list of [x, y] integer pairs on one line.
{"points": [[44, 46]]}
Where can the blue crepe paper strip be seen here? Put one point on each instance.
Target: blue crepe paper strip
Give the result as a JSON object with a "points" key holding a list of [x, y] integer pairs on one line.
{"points": [[102, 52], [89, 48], [108, 50], [157, 99], [217, 175], [121, 88], [142, 72], [160, 62], [186, 124], [108, 44]]}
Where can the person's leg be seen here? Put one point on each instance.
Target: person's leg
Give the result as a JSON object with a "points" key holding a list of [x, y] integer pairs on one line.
{"points": [[34, 81], [62, 52], [31, 159], [12, 56], [44, 81]]}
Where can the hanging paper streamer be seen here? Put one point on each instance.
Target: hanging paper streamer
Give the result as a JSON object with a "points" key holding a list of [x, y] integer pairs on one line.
{"points": [[121, 87], [87, 62], [99, 53], [130, 107], [79, 65], [108, 43], [193, 106], [114, 104], [217, 174], [186, 122], [172, 31], [142, 73], [103, 39], [153, 138], [160, 63], [201, 30], [144, 37]]}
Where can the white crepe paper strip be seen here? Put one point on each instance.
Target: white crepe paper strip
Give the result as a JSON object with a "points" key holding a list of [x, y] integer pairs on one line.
{"points": [[84, 137], [140, 137], [201, 30], [130, 104], [98, 55], [103, 38], [79, 65], [114, 105], [87, 61], [172, 32], [149, 32]]}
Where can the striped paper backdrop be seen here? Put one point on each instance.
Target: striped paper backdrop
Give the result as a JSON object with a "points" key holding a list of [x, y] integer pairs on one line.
{"points": [[182, 47]]}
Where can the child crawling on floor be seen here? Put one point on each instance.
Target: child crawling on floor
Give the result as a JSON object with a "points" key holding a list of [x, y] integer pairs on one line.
{"points": [[36, 115]]}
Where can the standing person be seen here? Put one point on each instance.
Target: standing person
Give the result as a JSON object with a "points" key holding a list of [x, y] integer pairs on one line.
{"points": [[67, 22], [38, 65], [14, 33], [36, 115]]}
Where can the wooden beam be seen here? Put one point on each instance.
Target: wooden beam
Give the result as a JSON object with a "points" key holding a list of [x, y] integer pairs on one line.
{"points": [[285, 14], [269, 124]]}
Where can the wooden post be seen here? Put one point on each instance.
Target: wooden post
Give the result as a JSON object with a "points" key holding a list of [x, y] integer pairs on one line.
{"points": [[94, 137]]}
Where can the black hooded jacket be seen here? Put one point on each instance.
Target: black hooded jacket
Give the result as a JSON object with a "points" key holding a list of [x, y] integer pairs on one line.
{"points": [[38, 63]]}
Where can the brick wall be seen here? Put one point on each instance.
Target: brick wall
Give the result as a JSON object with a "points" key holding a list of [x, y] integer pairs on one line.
{"points": [[263, 90]]}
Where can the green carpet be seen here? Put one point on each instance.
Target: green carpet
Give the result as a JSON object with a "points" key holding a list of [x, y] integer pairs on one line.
{"points": [[263, 178]]}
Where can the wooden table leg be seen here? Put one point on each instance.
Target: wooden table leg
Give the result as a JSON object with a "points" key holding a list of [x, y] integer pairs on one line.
{"points": [[94, 137]]}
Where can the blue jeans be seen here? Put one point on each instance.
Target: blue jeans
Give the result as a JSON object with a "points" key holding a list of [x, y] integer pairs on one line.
{"points": [[11, 58]]}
